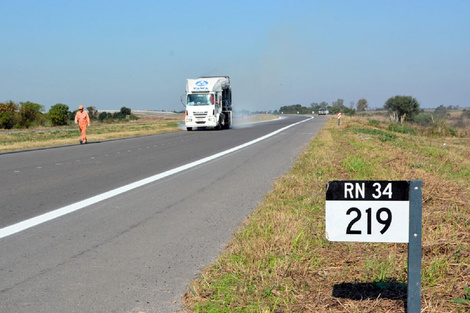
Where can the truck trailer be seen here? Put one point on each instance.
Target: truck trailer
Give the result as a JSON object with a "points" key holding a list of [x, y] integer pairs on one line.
{"points": [[208, 103]]}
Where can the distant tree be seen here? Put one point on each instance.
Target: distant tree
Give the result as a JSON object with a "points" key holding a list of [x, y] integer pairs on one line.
{"points": [[338, 106], [362, 105], [125, 111], [317, 106], [294, 108], [402, 108], [71, 115], [58, 114], [92, 112], [442, 108], [339, 103], [8, 114], [102, 116], [29, 113], [441, 112]]}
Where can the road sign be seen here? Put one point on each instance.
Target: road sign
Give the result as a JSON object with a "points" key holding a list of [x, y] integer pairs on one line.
{"points": [[368, 211], [379, 211]]}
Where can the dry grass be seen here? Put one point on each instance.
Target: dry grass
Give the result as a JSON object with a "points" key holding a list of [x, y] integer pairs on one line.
{"points": [[57, 136], [280, 260], [146, 125]]}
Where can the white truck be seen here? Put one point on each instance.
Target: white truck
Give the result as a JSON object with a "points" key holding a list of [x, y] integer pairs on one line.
{"points": [[208, 102]]}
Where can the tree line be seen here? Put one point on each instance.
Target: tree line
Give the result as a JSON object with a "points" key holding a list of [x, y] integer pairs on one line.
{"points": [[400, 109], [334, 108], [29, 114]]}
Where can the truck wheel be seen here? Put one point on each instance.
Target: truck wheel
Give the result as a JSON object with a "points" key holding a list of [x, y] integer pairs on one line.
{"points": [[189, 129], [221, 124]]}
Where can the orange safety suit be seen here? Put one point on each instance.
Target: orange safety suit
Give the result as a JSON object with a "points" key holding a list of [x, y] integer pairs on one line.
{"points": [[83, 121]]}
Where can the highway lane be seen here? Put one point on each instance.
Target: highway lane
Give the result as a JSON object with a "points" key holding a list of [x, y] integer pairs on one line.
{"points": [[38, 181], [136, 251]]}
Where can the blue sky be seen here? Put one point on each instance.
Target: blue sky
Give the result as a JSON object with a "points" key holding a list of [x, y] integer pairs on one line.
{"points": [[138, 54]]}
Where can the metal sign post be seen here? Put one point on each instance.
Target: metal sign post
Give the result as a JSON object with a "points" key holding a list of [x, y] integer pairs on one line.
{"points": [[414, 248], [379, 211]]}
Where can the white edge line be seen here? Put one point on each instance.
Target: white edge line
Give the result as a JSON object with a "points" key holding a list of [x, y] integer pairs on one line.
{"points": [[29, 223]]}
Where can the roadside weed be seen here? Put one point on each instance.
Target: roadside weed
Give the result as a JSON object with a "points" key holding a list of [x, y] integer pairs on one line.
{"points": [[465, 300]]}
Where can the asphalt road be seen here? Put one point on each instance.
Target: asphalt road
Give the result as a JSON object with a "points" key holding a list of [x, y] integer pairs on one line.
{"points": [[135, 246]]}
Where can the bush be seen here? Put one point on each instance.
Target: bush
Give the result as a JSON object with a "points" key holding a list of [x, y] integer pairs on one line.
{"points": [[58, 114], [29, 113], [125, 111], [102, 116], [92, 112], [442, 129], [109, 117], [402, 108], [441, 113], [373, 123], [8, 114], [402, 128], [424, 119], [466, 113]]}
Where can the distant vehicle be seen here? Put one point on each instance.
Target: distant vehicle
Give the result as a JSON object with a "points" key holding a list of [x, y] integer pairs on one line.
{"points": [[322, 112], [208, 102]]}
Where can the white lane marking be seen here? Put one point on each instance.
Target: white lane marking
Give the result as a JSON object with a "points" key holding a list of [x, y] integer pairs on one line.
{"points": [[29, 223]]}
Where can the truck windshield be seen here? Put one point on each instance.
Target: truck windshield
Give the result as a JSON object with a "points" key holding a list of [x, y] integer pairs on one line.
{"points": [[200, 99]]}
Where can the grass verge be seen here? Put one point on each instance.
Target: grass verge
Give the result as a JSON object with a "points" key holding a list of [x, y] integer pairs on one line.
{"points": [[65, 135], [280, 260], [57, 136]]}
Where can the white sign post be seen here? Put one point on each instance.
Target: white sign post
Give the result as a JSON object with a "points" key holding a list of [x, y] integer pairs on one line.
{"points": [[379, 211]]}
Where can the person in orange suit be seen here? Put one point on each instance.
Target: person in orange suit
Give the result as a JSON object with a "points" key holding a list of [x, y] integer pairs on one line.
{"points": [[83, 121]]}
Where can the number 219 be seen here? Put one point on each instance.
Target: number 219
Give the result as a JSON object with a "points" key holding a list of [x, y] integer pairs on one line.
{"points": [[378, 216]]}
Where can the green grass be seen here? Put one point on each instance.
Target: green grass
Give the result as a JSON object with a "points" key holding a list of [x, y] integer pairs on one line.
{"points": [[379, 270], [280, 260], [37, 138], [465, 299]]}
